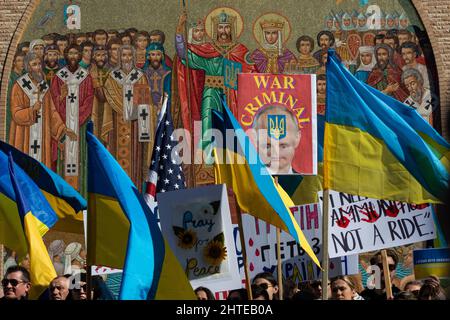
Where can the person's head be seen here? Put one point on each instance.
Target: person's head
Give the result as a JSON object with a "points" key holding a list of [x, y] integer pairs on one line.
{"points": [[260, 292], [203, 293], [391, 40], [37, 46], [392, 259], [113, 50], [141, 40], [33, 65], [238, 295], [59, 288], [431, 290], [132, 32], [100, 37], [413, 287], [413, 81], [323, 57], [72, 54], [79, 290], [51, 55], [16, 283], [100, 56], [305, 45], [362, 20], [366, 55], [18, 62], [383, 55], [23, 47], [155, 55], [80, 38], [405, 295], [342, 288], [125, 38], [224, 28], [86, 49], [410, 51], [198, 32], [404, 36], [379, 39], [321, 84], [316, 288], [62, 42], [289, 289], [49, 39], [112, 34], [267, 281], [157, 36], [325, 39], [277, 138], [127, 58], [90, 36]]}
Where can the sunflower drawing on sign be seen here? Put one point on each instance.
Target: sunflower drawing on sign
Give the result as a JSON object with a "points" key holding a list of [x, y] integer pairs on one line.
{"points": [[186, 238], [215, 251]]}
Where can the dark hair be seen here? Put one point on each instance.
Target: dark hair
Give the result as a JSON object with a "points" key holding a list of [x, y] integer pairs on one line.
{"points": [[86, 44], [62, 38], [411, 45], [389, 252], [404, 32], [19, 54], [259, 291], [100, 31], [289, 289], [379, 36], [79, 35], [113, 32], [123, 35], [321, 77], [267, 276], [405, 295], [158, 33], [113, 41], [392, 36], [49, 36], [25, 273], [329, 34], [72, 46], [306, 293], [130, 30], [208, 292], [242, 295], [304, 38], [23, 45], [413, 283]]}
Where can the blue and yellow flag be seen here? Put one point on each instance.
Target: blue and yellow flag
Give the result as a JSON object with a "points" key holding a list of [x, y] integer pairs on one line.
{"points": [[123, 233], [63, 198], [36, 218], [377, 147], [239, 167]]}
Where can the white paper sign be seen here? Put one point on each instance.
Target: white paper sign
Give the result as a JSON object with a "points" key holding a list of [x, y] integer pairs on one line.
{"points": [[199, 230], [359, 224]]}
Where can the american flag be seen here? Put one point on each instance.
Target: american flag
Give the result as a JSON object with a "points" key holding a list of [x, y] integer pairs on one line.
{"points": [[164, 174]]}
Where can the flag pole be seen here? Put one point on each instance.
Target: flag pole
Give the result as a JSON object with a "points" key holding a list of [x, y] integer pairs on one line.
{"points": [[279, 268], [325, 258], [244, 251], [188, 80], [387, 275]]}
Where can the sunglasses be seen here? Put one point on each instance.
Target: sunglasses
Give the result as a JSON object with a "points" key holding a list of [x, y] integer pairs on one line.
{"points": [[391, 266], [265, 286], [84, 287], [13, 282]]}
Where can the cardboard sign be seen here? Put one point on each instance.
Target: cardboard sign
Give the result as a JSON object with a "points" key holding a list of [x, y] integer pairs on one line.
{"points": [[200, 233], [429, 262], [360, 224], [279, 111]]}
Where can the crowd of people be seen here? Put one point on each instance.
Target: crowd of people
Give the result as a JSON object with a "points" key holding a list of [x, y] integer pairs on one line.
{"points": [[264, 286]]}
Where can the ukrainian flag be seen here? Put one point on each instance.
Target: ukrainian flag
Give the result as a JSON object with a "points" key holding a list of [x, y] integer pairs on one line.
{"points": [[378, 147], [36, 217], [123, 233], [238, 166], [64, 200]]}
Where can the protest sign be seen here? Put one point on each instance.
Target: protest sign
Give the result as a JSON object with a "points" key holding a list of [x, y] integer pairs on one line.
{"points": [[282, 109], [428, 262], [360, 224], [200, 233]]}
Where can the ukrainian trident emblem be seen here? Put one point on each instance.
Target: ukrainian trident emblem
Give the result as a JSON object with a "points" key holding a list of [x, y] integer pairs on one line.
{"points": [[277, 126], [231, 71]]}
